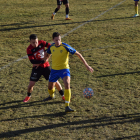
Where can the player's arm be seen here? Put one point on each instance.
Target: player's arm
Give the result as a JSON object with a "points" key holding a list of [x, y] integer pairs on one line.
{"points": [[46, 56], [47, 53], [37, 61], [84, 61], [32, 59]]}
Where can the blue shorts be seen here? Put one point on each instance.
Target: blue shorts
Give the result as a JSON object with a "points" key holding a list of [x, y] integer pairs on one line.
{"points": [[136, 0], [56, 74]]}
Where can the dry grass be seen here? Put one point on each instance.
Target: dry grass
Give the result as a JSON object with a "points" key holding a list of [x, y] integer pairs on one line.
{"points": [[110, 44]]}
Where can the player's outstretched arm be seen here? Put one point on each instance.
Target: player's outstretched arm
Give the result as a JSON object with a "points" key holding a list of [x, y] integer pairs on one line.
{"points": [[84, 61]]}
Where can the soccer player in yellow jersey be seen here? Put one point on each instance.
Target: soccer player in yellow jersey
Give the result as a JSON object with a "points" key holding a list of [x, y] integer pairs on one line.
{"points": [[60, 67], [136, 8]]}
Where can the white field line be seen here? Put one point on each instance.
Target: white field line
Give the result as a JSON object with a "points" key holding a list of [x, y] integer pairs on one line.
{"points": [[93, 18], [24, 57]]}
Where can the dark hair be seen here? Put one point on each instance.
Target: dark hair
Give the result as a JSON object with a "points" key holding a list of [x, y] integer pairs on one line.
{"points": [[33, 36], [55, 34]]}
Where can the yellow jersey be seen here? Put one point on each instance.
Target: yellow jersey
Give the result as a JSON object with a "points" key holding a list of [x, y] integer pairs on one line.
{"points": [[60, 55]]}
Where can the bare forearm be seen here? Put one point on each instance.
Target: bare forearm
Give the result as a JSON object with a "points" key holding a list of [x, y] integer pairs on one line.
{"points": [[84, 61], [81, 58], [46, 56]]}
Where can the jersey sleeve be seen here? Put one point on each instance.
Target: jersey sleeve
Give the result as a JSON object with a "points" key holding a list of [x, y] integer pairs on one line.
{"points": [[69, 48], [48, 45], [45, 44], [30, 54], [49, 50]]}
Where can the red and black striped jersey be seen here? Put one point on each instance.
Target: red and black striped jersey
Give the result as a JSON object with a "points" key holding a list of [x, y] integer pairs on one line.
{"points": [[37, 53]]}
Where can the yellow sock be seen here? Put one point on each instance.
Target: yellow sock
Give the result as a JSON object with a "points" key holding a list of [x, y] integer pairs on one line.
{"points": [[67, 94], [136, 9], [51, 92]]}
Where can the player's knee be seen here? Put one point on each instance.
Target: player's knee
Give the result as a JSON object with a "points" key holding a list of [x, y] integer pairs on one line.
{"points": [[67, 5], [50, 87], [58, 7], [67, 85], [136, 3]]}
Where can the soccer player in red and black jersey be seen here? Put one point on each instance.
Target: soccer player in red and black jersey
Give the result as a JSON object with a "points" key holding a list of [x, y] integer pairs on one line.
{"points": [[36, 52]]}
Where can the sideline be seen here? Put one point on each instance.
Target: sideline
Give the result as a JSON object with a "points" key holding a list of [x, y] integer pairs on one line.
{"points": [[24, 57]]}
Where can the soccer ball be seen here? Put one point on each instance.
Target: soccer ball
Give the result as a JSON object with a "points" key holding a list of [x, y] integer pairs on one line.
{"points": [[88, 93]]}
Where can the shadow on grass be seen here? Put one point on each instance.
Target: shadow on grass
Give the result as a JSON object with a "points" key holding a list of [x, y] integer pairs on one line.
{"points": [[22, 104], [17, 101], [60, 114], [26, 27], [120, 119], [15, 24], [125, 73], [127, 137]]}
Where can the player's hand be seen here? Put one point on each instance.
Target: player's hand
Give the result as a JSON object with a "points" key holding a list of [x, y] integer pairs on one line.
{"points": [[89, 68], [36, 65], [45, 59]]}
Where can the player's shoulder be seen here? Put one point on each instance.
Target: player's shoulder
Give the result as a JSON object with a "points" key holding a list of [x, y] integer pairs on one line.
{"points": [[41, 41], [29, 47], [68, 48], [49, 49], [53, 44], [65, 44]]}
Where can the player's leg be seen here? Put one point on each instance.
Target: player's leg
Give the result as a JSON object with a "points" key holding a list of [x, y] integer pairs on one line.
{"points": [[59, 88], [51, 86], [51, 90], [35, 75], [136, 8], [30, 89], [46, 74], [65, 75], [67, 94], [57, 8], [67, 9]]}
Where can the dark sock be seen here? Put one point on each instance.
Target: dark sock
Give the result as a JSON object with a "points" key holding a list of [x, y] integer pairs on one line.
{"points": [[56, 10], [29, 94], [67, 11], [61, 92]]}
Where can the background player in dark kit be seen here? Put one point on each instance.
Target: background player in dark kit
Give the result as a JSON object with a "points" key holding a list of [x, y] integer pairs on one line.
{"points": [[59, 3]]}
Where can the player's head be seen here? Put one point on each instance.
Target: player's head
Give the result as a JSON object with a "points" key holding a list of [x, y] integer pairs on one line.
{"points": [[33, 40], [56, 38]]}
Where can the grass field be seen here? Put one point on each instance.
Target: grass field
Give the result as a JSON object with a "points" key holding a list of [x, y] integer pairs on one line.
{"points": [[109, 43]]}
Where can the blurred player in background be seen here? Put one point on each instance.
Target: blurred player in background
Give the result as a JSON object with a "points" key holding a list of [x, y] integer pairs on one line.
{"points": [[59, 3], [36, 53], [136, 8], [60, 67]]}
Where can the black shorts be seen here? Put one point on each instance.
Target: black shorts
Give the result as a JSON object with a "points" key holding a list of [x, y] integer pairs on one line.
{"points": [[36, 73], [64, 2]]}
